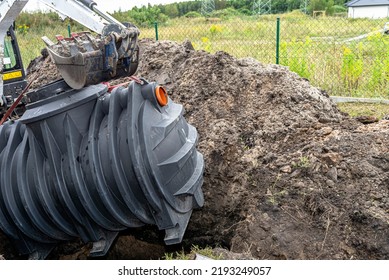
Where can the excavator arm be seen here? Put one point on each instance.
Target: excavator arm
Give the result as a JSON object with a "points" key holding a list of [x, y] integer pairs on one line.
{"points": [[84, 12]]}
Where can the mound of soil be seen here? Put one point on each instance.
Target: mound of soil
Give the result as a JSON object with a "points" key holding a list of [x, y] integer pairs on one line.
{"points": [[288, 176]]}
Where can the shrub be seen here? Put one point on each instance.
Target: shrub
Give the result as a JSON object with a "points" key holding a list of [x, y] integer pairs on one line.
{"points": [[339, 9], [215, 29], [352, 68], [225, 13], [244, 11], [295, 13], [147, 15], [295, 55], [192, 15]]}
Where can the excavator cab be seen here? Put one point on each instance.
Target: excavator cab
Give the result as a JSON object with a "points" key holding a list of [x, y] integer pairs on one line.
{"points": [[14, 76]]}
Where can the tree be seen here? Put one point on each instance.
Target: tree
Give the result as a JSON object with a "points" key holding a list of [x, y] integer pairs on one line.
{"points": [[317, 5], [330, 7], [147, 15], [293, 5], [171, 10]]}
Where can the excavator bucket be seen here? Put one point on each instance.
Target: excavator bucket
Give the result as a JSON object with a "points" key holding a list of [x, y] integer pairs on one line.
{"points": [[81, 69], [84, 60], [78, 59]]}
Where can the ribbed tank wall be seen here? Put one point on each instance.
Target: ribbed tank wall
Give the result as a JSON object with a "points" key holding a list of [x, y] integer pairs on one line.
{"points": [[89, 164]]}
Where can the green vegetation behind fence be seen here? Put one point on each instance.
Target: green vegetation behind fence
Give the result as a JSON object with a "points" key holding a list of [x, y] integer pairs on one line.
{"points": [[343, 56], [348, 57]]}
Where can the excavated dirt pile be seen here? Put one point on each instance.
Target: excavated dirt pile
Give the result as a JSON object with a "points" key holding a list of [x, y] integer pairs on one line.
{"points": [[288, 176]]}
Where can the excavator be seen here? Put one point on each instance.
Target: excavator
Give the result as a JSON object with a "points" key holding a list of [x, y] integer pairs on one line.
{"points": [[83, 160], [79, 59]]}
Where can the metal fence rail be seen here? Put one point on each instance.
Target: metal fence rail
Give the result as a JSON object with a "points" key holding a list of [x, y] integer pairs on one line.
{"points": [[348, 57]]}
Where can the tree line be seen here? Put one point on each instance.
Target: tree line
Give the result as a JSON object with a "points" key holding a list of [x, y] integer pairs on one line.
{"points": [[246, 6], [151, 13]]}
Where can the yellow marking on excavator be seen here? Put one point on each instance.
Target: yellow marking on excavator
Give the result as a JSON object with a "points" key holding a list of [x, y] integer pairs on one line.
{"points": [[12, 75]]}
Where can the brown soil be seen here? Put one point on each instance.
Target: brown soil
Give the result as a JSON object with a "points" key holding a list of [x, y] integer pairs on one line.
{"points": [[288, 176]]}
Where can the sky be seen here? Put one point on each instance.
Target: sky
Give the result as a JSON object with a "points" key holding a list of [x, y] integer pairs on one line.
{"points": [[108, 6]]}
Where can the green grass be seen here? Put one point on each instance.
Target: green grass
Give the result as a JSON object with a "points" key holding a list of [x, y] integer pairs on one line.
{"points": [[31, 44], [315, 48], [207, 252], [365, 109]]}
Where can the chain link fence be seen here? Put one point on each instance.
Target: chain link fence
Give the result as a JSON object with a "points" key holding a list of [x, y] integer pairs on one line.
{"points": [[348, 57]]}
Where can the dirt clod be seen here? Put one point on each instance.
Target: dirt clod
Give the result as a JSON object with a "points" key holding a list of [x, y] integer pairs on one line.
{"points": [[288, 176]]}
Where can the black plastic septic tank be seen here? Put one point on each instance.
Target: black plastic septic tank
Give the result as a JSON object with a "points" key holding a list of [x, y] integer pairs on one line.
{"points": [[88, 163]]}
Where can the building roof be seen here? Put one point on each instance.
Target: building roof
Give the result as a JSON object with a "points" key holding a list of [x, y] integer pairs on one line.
{"points": [[361, 3]]}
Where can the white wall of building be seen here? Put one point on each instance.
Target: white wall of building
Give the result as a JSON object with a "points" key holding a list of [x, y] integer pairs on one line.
{"points": [[368, 12]]}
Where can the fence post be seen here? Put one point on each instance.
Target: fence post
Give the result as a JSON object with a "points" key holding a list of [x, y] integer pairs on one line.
{"points": [[156, 30], [278, 41], [69, 31]]}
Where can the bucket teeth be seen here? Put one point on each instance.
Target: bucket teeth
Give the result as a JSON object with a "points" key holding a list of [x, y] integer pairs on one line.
{"points": [[84, 60]]}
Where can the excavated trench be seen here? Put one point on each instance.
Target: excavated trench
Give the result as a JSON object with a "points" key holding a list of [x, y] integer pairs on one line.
{"points": [[288, 176]]}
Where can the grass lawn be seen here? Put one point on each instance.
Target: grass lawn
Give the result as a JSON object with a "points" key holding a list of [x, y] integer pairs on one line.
{"points": [[365, 109]]}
